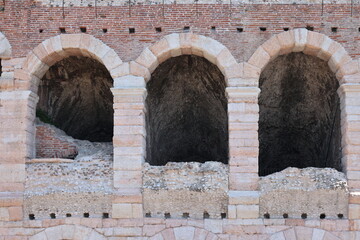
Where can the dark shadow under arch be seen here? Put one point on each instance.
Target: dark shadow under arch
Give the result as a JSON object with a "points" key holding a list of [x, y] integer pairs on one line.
{"points": [[186, 118], [299, 123]]}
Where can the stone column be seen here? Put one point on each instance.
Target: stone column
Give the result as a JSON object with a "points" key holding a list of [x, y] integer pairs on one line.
{"points": [[350, 129], [129, 151], [243, 111], [17, 143]]}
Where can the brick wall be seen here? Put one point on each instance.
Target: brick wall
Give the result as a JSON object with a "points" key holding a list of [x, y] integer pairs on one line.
{"points": [[49, 145], [22, 21]]}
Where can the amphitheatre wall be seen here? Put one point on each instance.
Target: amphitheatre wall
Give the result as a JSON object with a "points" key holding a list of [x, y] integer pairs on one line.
{"points": [[192, 95]]}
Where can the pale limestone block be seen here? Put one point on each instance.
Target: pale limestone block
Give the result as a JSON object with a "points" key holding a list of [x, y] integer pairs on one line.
{"points": [[354, 211], [286, 41], [122, 210], [128, 151], [150, 230], [233, 71], [70, 41], [211, 236], [231, 211], [39, 236], [198, 44], [349, 68], [239, 182], [12, 173], [161, 50], [81, 233], [15, 213], [54, 233], [55, 45], [131, 120], [300, 36], [272, 47], [130, 129], [244, 197], [251, 71], [196, 52], [353, 175], [43, 55], [243, 118], [278, 236], [137, 210], [148, 60], [4, 214], [225, 60], [137, 69], [236, 107], [157, 237], [313, 43], [111, 60], [352, 138], [168, 234], [96, 236], [184, 233], [85, 44], [260, 58], [328, 48], [211, 49], [97, 49], [303, 233], [213, 225], [247, 211], [127, 231], [68, 231], [129, 81], [290, 234], [121, 70], [318, 234], [129, 140], [354, 197], [174, 44], [237, 82], [338, 59], [329, 236], [185, 42], [35, 66], [128, 179]]}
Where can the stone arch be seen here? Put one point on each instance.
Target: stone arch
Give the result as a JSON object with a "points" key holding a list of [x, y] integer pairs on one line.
{"points": [[174, 45], [185, 233], [54, 49], [308, 42], [300, 232], [5, 47], [74, 232]]}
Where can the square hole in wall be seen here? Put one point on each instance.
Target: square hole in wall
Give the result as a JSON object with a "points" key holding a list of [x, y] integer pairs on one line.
{"points": [[83, 29], [62, 30], [158, 29], [131, 30], [239, 29], [186, 29]]}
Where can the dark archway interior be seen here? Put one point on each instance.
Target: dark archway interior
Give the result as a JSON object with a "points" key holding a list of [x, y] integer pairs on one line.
{"points": [[299, 123], [186, 112], [75, 96]]}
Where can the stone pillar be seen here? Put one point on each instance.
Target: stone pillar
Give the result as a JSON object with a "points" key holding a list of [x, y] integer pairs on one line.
{"points": [[129, 151], [17, 143], [243, 111], [350, 129]]}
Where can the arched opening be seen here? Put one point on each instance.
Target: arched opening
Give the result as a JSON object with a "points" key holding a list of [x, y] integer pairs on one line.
{"points": [[299, 124], [186, 118], [75, 96], [74, 130]]}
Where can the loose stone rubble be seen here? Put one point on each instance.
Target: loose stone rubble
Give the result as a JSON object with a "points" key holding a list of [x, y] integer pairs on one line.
{"points": [[311, 191], [82, 185], [196, 189]]}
